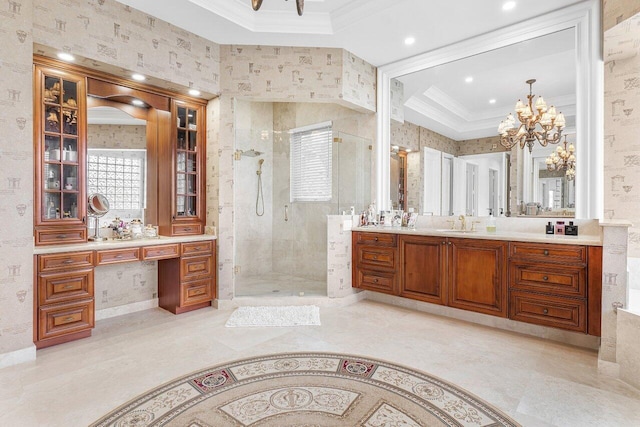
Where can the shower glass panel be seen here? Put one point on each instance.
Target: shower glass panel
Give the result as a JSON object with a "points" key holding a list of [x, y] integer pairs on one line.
{"points": [[281, 246]]}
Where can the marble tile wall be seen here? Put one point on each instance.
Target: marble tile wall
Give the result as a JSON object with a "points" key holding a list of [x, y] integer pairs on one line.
{"points": [[117, 136], [397, 100], [339, 245], [275, 74], [118, 35], [621, 129], [628, 347], [16, 178], [254, 233]]}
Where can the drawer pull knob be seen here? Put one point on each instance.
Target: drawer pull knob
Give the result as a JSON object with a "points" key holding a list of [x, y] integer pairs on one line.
{"points": [[67, 319], [545, 311], [188, 229], [61, 236], [375, 280], [545, 278], [119, 256], [546, 252], [67, 261], [199, 292], [449, 243], [375, 257], [444, 243], [375, 238], [68, 287]]}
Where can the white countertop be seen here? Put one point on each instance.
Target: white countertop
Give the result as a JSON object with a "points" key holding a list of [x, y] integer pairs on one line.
{"points": [[119, 244], [510, 235]]}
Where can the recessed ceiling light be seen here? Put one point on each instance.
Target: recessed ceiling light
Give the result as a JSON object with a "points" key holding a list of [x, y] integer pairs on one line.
{"points": [[492, 101], [408, 150], [409, 41], [395, 147], [194, 92], [468, 79], [66, 56], [137, 102], [509, 5], [138, 77]]}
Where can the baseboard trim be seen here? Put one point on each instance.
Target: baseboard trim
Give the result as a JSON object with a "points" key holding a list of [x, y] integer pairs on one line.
{"points": [[120, 310], [18, 356]]}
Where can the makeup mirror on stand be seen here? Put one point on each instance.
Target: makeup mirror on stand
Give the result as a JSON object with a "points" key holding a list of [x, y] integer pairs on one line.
{"points": [[98, 206]]}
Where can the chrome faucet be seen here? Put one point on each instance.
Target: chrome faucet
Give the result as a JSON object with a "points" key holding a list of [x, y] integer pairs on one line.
{"points": [[463, 222]]}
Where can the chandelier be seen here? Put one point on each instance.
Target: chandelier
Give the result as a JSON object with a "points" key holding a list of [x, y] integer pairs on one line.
{"points": [[299, 5], [526, 133], [563, 158]]}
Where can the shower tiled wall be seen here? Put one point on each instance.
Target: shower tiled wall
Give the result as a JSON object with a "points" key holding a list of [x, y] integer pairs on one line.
{"points": [[254, 233]]}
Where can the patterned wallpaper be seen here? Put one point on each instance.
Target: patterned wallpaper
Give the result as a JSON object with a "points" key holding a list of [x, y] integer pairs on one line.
{"points": [[429, 138], [406, 135], [396, 95], [16, 177], [622, 145], [616, 11], [117, 136], [480, 146], [358, 86], [115, 34]]}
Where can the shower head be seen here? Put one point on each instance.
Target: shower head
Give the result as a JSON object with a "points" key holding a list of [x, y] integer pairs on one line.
{"points": [[260, 162], [252, 153]]}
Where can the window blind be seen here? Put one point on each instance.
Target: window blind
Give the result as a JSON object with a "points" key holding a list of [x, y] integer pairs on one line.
{"points": [[310, 154]]}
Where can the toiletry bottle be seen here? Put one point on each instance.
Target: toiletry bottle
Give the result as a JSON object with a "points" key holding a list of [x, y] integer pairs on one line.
{"points": [[571, 230], [560, 227], [491, 225], [549, 229]]}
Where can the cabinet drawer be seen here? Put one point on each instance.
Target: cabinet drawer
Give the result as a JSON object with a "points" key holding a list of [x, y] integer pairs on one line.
{"points": [[196, 248], [186, 229], [548, 252], [71, 260], [161, 252], [60, 237], [114, 256], [376, 281], [199, 267], [56, 320], [196, 292], [65, 286], [378, 239], [561, 280], [547, 310], [372, 256]]}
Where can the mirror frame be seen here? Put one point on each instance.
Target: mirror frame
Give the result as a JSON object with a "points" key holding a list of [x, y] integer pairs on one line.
{"points": [[585, 19]]}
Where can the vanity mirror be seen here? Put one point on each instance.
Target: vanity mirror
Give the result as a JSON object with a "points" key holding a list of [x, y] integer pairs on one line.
{"points": [[455, 97], [116, 157]]}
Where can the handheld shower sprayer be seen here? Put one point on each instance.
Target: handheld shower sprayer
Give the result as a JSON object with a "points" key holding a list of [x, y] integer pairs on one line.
{"points": [[260, 196], [259, 171]]}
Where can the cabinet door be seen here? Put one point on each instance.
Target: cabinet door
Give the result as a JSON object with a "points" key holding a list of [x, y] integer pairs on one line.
{"points": [[188, 204], [60, 136], [477, 275], [423, 266]]}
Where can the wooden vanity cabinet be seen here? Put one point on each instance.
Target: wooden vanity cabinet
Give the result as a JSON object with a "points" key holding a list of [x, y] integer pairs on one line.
{"points": [[463, 273], [59, 160], [188, 283], [477, 272], [64, 297], [423, 270], [556, 285], [375, 262], [183, 211]]}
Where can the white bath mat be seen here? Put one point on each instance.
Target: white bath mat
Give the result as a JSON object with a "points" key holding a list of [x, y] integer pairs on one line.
{"points": [[297, 315]]}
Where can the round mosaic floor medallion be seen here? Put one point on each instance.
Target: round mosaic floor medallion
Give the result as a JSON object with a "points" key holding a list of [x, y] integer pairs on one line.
{"points": [[306, 389]]}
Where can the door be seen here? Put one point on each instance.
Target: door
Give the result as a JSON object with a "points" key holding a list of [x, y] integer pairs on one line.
{"points": [[472, 189], [493, 192], [423, 266], [477, 275], [458, 185], [447, 182]]}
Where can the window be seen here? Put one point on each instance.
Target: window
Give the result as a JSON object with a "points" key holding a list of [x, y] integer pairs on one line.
{"points": [[311, 163], [119, 175]]}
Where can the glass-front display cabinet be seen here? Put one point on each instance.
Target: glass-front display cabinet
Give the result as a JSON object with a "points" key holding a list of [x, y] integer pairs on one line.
{"points": [[60, 138], [187, 186]]}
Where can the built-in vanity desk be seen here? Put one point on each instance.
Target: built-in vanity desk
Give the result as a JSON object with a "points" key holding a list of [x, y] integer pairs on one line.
{"points": [[548, 280], [64, 280]]}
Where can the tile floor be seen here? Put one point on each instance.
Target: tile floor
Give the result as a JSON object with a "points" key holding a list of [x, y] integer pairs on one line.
{"points": [[539, 383], [280, 285]]}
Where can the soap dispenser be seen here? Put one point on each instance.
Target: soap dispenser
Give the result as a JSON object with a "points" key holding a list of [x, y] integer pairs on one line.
{"points": [[491, 225]]}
